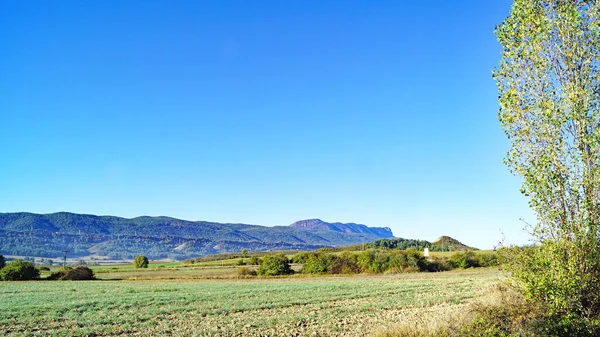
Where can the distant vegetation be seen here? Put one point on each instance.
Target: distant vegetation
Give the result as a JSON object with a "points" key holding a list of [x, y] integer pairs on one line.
{"points": [[374, 261], [19, 270], [140, 261], [272, 265], [79, 273]]}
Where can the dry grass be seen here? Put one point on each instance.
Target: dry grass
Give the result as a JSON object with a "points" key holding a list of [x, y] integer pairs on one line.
{"points": [[457, 320]]}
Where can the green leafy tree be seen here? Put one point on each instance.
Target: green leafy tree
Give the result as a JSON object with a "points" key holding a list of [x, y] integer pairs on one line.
{"points": [[274, 265], [140, 261], [2, 261], [318, 264], [549, 92], [19, 270], [244, 252]]}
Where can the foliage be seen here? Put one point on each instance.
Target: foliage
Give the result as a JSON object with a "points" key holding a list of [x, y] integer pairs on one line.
{"points": [[403, 244], [79, 273], [318, 264], [254, 261], [464, 260], [550, 111], [2, 261], [372, 261], [274, 265], [245, 271], [19, 270], [301, 257], [140, 261]]}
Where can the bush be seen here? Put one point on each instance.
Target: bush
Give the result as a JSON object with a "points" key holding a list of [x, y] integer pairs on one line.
{"points": [[19, 270], [318, 264], [275, 265], [464, 260], [140, 261], [240, 262], [346, 263], [488, 259], [80, 273], [254, 261], [511, 314], [2, 261], [245, 271], [302, 257], [438, 264]]}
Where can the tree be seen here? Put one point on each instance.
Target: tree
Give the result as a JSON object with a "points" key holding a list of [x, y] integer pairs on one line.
{"points": [[274, 265], [2, 261], [244, 252], [79, 273], [140, 261], [19, 270], [549, 93]]}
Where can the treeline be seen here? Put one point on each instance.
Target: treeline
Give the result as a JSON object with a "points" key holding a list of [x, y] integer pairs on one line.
{"points": [[403, 244], [372, 261], [389, 261]]}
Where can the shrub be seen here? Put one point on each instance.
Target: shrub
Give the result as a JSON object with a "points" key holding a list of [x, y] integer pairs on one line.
{"points": [[464, 260], [2, 261], [275, 265], [240, 262], [345, 264], [488, 259], [514, 315], [438, 264], [245, 271], [73, 274], [318, 264], [140, 261], [302, 257], [254, 261], [19, 270]]}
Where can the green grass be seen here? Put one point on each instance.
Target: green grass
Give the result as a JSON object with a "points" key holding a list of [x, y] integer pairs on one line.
{"points": [[351, 305]]}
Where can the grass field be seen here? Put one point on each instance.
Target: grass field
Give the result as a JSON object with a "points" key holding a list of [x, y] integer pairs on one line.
{"points": [[327, 306]]}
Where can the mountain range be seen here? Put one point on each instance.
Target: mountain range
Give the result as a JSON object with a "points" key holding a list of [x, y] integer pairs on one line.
{"points": [[111, 237]]}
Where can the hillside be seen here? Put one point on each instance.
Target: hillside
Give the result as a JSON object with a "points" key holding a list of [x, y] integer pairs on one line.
{"points": [[47, 235], [448, 243]]}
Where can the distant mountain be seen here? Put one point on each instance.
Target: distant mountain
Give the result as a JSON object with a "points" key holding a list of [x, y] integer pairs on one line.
{"points": [[448, 243], [47, 235], [319, 225]]}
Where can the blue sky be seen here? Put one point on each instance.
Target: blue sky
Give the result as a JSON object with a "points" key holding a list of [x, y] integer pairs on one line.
{"points": [[262, 112]]}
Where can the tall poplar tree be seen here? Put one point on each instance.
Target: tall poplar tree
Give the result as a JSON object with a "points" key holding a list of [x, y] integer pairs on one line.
{"points": [[549, 92]]}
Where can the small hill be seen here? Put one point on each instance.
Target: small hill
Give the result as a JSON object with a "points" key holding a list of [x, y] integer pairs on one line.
{"points": [[447, 242]]}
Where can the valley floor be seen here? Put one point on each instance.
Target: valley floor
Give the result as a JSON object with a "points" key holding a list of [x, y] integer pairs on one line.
{"points": [[293, 306]]}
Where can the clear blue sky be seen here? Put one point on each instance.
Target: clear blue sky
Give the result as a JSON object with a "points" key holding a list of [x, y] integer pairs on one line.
{"points": [[262, 112]]}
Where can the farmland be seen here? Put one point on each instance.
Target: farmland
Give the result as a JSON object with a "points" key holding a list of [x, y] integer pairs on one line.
{"points": [[190, 305]]}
